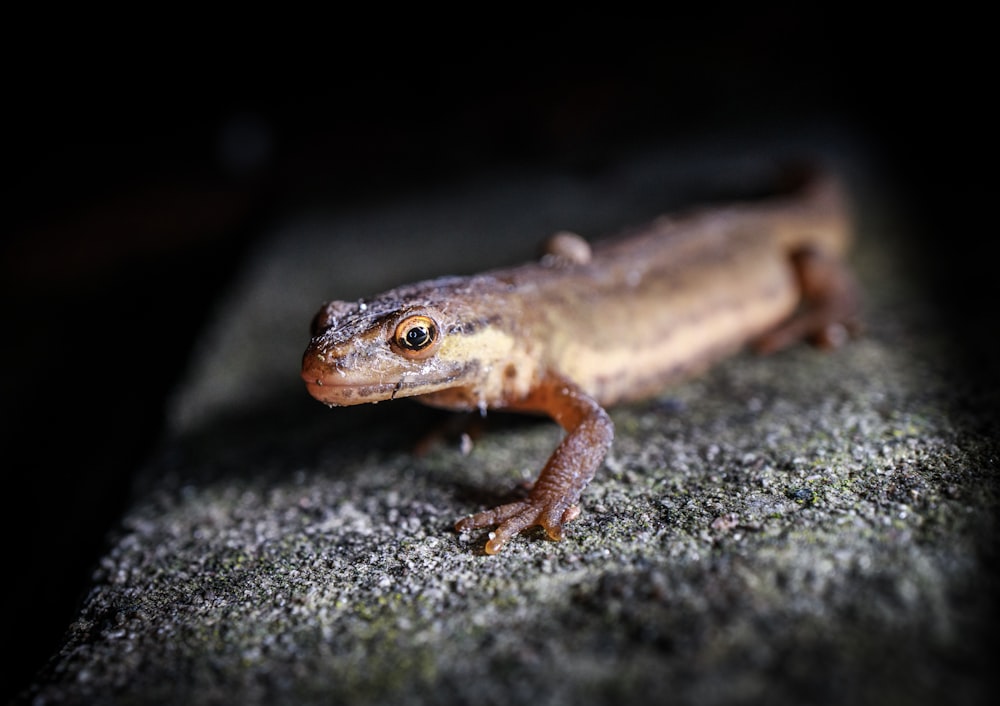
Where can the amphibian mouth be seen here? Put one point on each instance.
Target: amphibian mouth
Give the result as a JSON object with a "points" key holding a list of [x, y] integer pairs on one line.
{"points": [[585, 328]]}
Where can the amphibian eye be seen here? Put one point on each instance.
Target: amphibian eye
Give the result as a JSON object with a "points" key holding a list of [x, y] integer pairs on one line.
{"points": [[415, 336]]}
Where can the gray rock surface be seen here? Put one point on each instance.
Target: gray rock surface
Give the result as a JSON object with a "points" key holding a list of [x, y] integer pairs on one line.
{"points": [[806, 528]]}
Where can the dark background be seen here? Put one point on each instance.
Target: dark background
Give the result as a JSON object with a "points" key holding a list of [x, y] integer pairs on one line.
{"points": [[140, 170]]}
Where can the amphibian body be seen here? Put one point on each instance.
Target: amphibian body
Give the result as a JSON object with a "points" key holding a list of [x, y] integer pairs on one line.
{"points": [[585, 328]]}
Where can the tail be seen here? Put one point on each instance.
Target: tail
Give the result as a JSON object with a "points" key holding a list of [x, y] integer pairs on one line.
{"points": [[817, 207]]}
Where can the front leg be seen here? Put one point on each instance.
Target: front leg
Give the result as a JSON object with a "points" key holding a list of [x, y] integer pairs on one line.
{"points": [[553, 499]]}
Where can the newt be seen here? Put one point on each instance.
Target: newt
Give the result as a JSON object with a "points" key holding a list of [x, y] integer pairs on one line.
{"points": [[586, 327]]}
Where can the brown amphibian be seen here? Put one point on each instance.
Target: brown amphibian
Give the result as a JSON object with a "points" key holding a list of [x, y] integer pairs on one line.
{"points": [[588, 327]]}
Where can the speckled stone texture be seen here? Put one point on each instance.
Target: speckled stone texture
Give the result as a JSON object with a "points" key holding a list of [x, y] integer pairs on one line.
{"points": [[810, 527]]}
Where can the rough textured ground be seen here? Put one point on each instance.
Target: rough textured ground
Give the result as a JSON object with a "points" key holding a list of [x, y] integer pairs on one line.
{"points": [[806, 528]]}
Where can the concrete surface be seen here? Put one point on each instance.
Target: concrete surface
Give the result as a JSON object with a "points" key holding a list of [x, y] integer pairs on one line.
{"points": [[809, 528]]}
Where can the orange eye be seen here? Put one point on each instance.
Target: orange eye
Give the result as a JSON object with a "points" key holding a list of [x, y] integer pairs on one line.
{"points": [[416, 336]]}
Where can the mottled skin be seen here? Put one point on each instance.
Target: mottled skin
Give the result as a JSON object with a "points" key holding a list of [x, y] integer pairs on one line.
{"points": [[583, 329]]}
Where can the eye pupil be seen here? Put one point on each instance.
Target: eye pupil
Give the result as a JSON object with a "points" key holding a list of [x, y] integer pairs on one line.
{"points": [[418, 337]]}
